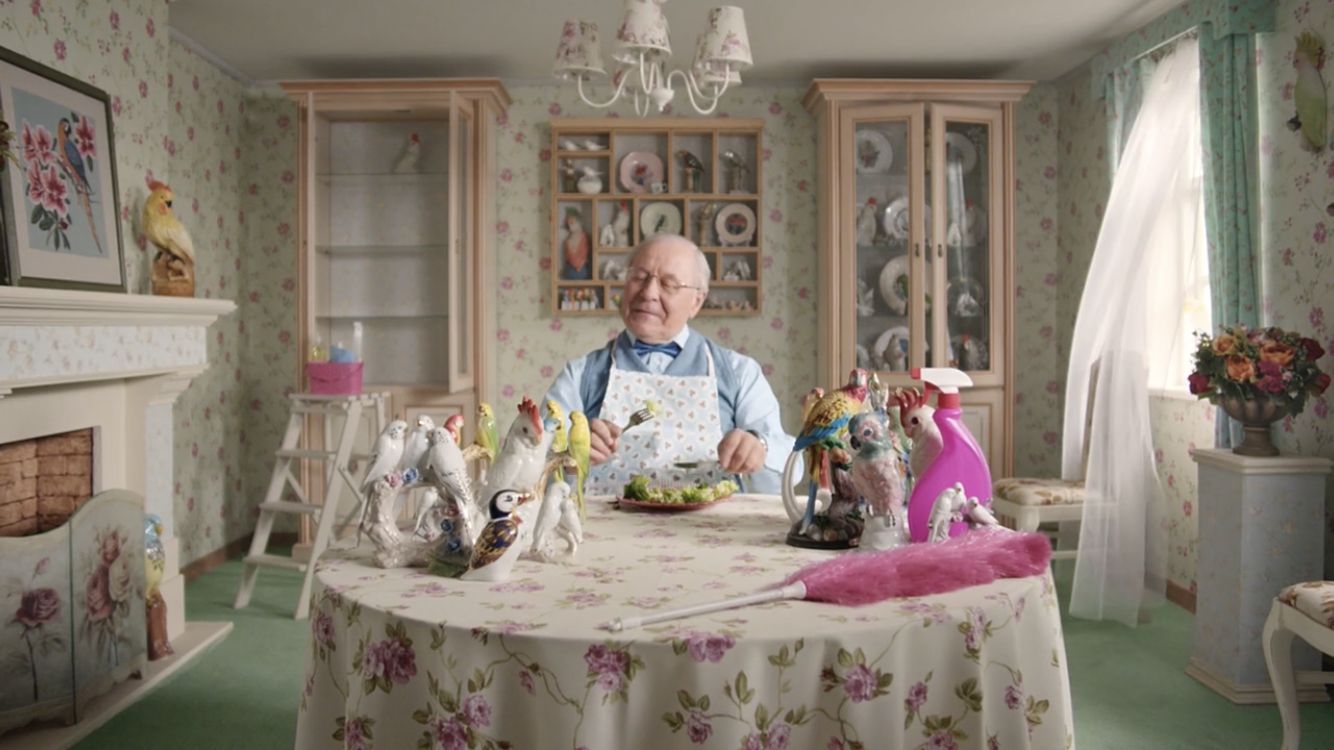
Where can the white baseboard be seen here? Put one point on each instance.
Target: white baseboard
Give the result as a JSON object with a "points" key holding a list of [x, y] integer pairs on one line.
{"points": [[1251, 694]]}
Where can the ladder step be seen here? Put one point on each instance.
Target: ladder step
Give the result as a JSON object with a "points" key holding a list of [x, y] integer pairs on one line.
{"points": [[299, 453], [275, 561], [281, 506]]}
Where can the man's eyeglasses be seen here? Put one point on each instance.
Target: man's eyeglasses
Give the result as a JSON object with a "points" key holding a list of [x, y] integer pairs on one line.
{"points": [[669, 284]]}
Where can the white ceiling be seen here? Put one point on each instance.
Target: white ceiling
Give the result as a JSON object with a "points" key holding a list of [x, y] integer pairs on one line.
{"points": [[792, 40]]}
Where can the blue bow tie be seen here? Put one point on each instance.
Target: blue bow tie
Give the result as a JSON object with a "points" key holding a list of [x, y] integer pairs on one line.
{"points": [[671, 348]]}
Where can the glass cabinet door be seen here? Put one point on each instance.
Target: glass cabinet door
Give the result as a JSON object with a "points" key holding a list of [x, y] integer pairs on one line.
{"points": [[965, 176], [884, 230], [460, 243]]}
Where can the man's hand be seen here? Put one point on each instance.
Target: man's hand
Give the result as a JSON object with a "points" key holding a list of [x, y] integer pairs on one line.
{"points": [[602, 440], [741, 453]]}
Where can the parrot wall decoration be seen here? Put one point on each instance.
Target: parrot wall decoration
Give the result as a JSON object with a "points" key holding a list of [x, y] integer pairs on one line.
{"points": [[71, 162], [173, 271]]}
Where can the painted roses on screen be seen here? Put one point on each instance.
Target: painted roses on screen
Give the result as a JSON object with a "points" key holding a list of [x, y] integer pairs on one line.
{"points": [[1258, 364]]}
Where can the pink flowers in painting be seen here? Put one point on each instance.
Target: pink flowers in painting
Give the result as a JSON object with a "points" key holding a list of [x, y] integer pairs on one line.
{"points": [[57, 172]]}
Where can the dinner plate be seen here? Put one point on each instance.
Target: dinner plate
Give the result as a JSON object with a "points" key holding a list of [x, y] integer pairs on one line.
{"points": [[659, 218], [894, 284], [874, 154], [624, 503], [735, 224], [639, 170], [896, 218], [959, 148]]}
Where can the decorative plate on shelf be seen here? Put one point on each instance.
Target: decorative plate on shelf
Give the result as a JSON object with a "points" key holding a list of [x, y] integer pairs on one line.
{"points": [[874, 154], [894, 284], [659, 218], [959, 148], [639, 170], [735, 224], [897, 216]]}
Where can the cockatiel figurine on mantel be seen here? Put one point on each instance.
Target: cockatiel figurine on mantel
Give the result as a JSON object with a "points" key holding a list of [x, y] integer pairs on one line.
{"points": [[173, 273]]}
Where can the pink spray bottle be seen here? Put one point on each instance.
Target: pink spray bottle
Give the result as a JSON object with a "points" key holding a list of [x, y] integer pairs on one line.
{"points": [[960, 458]]}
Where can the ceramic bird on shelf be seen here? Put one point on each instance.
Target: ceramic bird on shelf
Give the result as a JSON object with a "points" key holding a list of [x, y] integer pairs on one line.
{"points": [[736, 171], [693, 170], [173, 272], [409, 161], [496, 550]]}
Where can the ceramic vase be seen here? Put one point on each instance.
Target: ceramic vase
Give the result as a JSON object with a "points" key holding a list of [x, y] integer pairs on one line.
{"points": [[1255, 417]]}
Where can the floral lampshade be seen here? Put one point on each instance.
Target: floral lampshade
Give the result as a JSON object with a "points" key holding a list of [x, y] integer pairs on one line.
{"points": [[644, 31], [578, 55], [708, 72], [725, 38]]}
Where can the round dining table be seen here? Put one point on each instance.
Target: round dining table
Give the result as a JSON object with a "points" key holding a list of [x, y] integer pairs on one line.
{"points": [[399, 658]]}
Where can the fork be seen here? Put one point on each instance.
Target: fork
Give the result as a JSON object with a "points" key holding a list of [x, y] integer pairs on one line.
{"points": [[637, 418]]}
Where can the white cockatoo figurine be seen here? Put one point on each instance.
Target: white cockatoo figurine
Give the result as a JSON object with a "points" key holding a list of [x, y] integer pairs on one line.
{"points": [[919, 423], [949, 507], [414, 448], [523, 454], [621, 224], [388, 452], [412, 154]]}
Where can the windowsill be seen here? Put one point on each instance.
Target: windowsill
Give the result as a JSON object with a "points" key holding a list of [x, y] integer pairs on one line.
{"points": [[1174, 394]]}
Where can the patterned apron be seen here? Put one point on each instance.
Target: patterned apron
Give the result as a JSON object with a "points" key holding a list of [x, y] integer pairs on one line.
{"points": [[686, 429]]}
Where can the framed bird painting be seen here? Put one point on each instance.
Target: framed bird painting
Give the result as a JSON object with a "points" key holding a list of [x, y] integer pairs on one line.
{"points": [[60, 200]]}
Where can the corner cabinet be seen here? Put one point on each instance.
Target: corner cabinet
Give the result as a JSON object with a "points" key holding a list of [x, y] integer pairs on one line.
{"points": [[916, 237], [397, 180]]}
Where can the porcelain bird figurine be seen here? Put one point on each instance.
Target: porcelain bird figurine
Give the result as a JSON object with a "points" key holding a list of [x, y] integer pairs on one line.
{"points": [[496, 550]]}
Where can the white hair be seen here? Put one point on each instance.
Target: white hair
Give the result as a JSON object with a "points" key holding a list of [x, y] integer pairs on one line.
{"points": [[702, 270]]}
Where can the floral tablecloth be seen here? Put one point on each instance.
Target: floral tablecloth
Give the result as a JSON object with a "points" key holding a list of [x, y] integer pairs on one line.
{"points": [[402, 659]]}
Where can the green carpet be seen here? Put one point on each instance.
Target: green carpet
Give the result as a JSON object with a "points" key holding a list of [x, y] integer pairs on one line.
{"points": [[1129, 687]]}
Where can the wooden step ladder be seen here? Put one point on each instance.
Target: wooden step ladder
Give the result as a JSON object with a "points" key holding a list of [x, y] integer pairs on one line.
{"points": [[337, 476]]}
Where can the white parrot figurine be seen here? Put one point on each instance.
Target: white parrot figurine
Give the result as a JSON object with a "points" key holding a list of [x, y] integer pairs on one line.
{"points": [[388, 451], [918, 420], [558, 516], [1308, 93], [980, 515], [415, 447], [444, 468], [522, 456]]}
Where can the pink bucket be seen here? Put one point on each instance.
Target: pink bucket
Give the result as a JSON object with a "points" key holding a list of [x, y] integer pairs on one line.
{"points": [[335, 378]]}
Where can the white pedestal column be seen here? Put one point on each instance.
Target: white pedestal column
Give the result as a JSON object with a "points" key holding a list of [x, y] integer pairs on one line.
{"points": [[1262, 527]]}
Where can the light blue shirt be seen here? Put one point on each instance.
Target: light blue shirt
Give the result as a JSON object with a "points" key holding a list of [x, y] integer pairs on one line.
{"points": [[756, 405]]}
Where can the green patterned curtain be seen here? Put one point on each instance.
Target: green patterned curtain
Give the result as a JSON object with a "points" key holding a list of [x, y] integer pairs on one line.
{"points": [[1228, 134]]}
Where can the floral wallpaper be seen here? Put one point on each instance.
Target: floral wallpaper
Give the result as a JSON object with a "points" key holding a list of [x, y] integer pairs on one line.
{"points": [[1297, 274], [533, 345]]}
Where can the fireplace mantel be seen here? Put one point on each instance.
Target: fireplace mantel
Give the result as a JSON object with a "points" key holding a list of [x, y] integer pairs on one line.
{"points": [[55, 337]]}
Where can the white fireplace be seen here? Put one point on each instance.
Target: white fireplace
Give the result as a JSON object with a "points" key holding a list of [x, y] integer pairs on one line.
{"points": [[70, 360]]}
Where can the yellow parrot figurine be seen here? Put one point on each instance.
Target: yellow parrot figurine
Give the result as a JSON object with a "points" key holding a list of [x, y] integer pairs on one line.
{"points": [[487, 437], [559, 441], [174, 265], [580, 450]]}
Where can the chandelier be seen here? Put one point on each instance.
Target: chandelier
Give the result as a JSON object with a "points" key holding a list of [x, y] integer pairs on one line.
{"points": [[643, 50]]}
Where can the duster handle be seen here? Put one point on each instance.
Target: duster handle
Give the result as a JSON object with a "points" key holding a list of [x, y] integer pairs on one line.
{"points": [[791, 591]]}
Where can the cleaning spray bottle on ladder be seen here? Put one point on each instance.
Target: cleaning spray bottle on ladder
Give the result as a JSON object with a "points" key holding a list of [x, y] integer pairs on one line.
{"points": [[960, 459]]}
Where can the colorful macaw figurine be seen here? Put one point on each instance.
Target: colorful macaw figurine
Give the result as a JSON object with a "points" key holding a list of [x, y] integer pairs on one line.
{"points": [[820, 431], [555, 422], [496, 550], [1308, 93], [487, 437], [580, 450]]}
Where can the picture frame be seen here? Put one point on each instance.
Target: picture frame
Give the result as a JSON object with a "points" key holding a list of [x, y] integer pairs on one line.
{"points": [[60, 206]]}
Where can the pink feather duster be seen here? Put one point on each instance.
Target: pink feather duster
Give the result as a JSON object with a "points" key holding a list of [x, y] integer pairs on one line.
{"points": [[915, 570]]}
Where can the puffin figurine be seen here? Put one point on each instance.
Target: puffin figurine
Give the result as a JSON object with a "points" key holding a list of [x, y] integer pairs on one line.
{"points": [[496, 549]]}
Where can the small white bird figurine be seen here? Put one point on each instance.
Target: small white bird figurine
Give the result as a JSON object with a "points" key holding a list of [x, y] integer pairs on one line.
{"points": [[592, 145], [866, 221], [444, 468], [412, 154], [388, 452], [557, 518], [414, 449], [949, 507], [496, 550], [981, 515]]}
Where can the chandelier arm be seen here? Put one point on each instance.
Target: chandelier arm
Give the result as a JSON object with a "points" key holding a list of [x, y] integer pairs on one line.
{"points": [[615, 94], [692, 88]]}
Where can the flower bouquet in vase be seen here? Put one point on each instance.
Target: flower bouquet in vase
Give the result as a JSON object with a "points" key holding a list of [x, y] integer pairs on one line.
{"points": [[1258, 376]]}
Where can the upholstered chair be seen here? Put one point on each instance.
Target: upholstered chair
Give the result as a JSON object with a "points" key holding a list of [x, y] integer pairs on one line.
{"points": [[1305, 610]]}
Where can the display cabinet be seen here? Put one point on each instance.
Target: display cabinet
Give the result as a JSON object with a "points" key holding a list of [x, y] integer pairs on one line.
{"points": [[396, 179], [615, 182], [916, 237]]}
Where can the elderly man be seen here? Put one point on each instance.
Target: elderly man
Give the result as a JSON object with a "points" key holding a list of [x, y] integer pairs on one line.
{"points": [[714, 404]]}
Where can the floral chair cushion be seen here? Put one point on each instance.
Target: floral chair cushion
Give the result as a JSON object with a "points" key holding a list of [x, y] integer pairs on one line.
{"points": [[1026, 491], [1315, 599]]}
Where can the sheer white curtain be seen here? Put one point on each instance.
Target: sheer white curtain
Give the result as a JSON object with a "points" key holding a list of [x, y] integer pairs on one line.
{"points": [[1122, 542]]}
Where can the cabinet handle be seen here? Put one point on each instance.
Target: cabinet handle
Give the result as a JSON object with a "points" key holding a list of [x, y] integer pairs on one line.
{"points": [[919, 249], [940, 250]]}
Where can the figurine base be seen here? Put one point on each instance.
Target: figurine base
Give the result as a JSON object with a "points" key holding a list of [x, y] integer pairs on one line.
{"points": [[843, 533], [797, 540]]}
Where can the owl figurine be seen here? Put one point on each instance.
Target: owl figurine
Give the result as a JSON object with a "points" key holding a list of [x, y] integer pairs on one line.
{"points": [[496, 548]]}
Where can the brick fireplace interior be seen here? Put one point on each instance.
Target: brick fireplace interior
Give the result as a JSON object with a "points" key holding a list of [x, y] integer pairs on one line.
{"points": [[44, 480]]}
